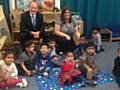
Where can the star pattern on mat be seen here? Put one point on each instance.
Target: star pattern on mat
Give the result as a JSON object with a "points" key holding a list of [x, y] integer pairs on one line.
{"points": [[51, 82]]}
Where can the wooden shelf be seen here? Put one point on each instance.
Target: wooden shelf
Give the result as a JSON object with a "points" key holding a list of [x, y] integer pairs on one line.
{"points": [[5, 38], [1, 18], [2, 41]]}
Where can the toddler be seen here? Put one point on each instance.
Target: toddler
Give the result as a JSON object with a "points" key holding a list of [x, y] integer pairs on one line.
{"points": [[9, 72]]}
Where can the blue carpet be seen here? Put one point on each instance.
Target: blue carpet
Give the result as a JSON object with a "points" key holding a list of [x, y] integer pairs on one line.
{"points": [[51, 82]]}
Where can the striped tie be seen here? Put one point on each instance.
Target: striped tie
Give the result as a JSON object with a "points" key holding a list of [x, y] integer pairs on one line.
{"points": [[33, 20]]}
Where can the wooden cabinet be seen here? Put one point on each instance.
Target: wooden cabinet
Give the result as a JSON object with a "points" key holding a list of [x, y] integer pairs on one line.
{"points": [[5, 33], [15, 20], [5, 37]]}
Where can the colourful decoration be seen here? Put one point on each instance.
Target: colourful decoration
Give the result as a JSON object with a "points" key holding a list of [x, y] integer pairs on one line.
{"points": [[51, 82]]}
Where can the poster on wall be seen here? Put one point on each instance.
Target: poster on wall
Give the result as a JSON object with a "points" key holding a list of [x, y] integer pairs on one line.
{"points": [[22, 4], [44, 5]]}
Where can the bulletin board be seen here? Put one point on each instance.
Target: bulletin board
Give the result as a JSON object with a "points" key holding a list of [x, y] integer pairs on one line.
{"points": [[44, 5]]}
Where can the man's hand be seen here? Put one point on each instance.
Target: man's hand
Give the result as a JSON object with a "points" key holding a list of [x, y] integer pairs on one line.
{"points": [[36, 35]]}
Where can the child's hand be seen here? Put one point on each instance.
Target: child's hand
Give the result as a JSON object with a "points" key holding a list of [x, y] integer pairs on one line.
{"points": [[89, 69], [41, 68], [28, 73]]}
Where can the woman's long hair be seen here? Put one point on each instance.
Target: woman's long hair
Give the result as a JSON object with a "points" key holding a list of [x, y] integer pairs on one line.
{"points": [[63, 20]]}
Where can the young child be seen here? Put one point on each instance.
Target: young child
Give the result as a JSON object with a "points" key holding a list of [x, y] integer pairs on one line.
{"points": [[96, 37], [43, 60], [81, 46], [88, 64], [68, 71], [26, 60], [116, 68], [56, 59], [52, 47], [9, 72]]}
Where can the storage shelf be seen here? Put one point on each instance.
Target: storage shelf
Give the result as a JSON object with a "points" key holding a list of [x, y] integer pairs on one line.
{"points": [[1, 18], [2, 41]]}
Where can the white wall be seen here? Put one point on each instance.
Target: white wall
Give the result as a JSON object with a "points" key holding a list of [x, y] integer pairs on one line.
{"points": [[57, 4], [12, 4]]}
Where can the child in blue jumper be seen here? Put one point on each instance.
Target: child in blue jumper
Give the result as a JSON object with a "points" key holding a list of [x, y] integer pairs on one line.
{"points": [[43, 60], [80, 48]]}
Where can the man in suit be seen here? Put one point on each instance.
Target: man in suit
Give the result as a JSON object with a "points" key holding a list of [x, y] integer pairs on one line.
{"points": [[31, 24]]}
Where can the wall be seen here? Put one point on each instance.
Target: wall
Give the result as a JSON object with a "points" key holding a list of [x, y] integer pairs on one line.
{"points": [[12, 5]]}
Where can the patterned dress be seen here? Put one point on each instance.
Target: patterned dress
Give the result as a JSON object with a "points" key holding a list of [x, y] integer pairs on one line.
{"points": [[68, 71]]}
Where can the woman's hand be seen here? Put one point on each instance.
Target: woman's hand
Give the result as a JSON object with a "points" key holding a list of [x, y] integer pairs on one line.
{"points": [[68, 37]]}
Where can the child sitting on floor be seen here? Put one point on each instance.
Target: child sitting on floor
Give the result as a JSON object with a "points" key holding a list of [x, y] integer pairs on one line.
{"points": [[9, 72], [88, 64], [116, 68], [26, 62], [56, 59], [43, 60], [68, 71], [81, 46]]}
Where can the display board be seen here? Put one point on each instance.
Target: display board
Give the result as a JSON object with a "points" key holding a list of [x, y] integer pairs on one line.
{"points": [[44, 5]]}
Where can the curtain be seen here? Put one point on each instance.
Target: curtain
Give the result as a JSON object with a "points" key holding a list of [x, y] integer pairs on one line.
{"points": [[6, 10], [95, 12]]}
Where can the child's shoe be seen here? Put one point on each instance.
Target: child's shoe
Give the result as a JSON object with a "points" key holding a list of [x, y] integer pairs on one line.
{"points": [[19, 85], [101, 49], [90, 83], [24, 82], [97, 51]]}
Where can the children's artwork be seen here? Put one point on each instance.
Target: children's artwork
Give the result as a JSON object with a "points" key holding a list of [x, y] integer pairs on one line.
{"points": [[45, 5], [22, 4], [51, 82]]}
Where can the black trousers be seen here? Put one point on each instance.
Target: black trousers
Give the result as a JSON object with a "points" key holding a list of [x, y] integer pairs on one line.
{"points": [[64, 45], [26, 37]]}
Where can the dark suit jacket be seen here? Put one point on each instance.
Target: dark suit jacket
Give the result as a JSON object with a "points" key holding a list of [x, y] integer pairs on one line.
{"points": [[26, 25]]}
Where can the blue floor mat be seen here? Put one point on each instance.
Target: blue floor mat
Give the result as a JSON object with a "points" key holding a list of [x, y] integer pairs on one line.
{"points": [[51, 82]]}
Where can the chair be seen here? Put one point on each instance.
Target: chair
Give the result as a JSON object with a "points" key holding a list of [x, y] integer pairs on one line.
{"points": [[115, 29]]}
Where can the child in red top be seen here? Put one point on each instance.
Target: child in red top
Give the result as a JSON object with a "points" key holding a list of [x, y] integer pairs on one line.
{"points": [[68, 70]]}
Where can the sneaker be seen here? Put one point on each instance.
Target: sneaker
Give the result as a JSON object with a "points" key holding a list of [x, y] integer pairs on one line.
{"points": [[24, 82], [90, 83], [97, 51], [95, 78], [101, 49], [19, 85]]}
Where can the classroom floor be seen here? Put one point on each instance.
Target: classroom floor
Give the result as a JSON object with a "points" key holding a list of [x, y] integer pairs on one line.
{"points": [[105, 62]]}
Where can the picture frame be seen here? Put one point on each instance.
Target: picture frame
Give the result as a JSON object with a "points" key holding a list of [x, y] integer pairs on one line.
{"points": [[43, 5]]}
